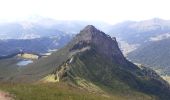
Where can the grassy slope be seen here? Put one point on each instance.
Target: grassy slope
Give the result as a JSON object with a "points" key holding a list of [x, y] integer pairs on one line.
{"points": [[118, 91], [44, 66], [108, 77], [8, 68], [84, 71], [59, 91]]}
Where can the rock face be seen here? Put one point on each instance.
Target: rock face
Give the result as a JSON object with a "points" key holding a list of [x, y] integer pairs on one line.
{"points": [[104, 44]]}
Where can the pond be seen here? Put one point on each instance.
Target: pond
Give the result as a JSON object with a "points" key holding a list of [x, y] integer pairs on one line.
{"points": [[24, 62]]}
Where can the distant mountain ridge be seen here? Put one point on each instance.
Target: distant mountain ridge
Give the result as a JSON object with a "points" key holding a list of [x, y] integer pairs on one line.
{"points": [[155, 55], [37, 45], [43, 27], [140, 32], [21, 31], [146, 42]]}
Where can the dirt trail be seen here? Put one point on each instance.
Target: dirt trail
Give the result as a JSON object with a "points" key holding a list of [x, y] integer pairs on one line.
{"points": [[5, 96]]}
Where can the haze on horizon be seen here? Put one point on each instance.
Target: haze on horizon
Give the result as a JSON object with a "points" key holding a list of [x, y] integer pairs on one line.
{"points": [[110, 11]]}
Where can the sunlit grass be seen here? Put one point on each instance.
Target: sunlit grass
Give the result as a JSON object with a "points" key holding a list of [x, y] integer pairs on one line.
{"points": [[49, 91]]}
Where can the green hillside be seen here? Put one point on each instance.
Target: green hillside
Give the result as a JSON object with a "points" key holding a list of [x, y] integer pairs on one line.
{"points": [[62, 91]]}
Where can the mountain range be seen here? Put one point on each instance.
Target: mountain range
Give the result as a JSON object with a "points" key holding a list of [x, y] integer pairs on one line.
{"points": [[90, 60], [42, 35], [93, 61], [44, 27], [135, 38]]}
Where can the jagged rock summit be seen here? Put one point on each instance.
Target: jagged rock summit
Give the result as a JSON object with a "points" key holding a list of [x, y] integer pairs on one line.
{"points": [[103, 44]]}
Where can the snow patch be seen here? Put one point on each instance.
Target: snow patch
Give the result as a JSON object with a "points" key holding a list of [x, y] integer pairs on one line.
{"points": [[24, 62]]}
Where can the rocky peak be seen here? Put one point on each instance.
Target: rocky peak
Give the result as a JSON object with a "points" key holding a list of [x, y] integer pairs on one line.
{"points": [[89, 33], [101, 42], [89, 28]]}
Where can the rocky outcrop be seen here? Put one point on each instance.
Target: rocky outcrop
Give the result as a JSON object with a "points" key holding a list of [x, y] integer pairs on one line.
{"points": [[103, 44]]}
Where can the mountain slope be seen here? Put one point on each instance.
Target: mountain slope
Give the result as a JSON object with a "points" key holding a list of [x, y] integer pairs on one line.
{"points": [[155, 54], [146, 42], [93, 61]]}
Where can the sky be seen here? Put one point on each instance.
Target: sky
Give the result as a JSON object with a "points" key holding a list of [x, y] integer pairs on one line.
{"points": [[110, 11]]}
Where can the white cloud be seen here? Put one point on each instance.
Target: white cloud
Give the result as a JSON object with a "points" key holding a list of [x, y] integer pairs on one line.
{"points": [[105, 10]]}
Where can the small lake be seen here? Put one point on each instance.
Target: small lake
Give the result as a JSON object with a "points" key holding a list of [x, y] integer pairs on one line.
{"points": [[24, 62]]}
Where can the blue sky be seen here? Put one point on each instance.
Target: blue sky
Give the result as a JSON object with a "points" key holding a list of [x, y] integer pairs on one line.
{"points": [[111, 11]]}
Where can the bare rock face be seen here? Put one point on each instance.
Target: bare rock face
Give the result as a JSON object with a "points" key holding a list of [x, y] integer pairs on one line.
{"points": [[101, 42]]}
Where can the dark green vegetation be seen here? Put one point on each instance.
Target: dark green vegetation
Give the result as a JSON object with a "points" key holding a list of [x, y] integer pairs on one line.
{"points": [[93, 62]]}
